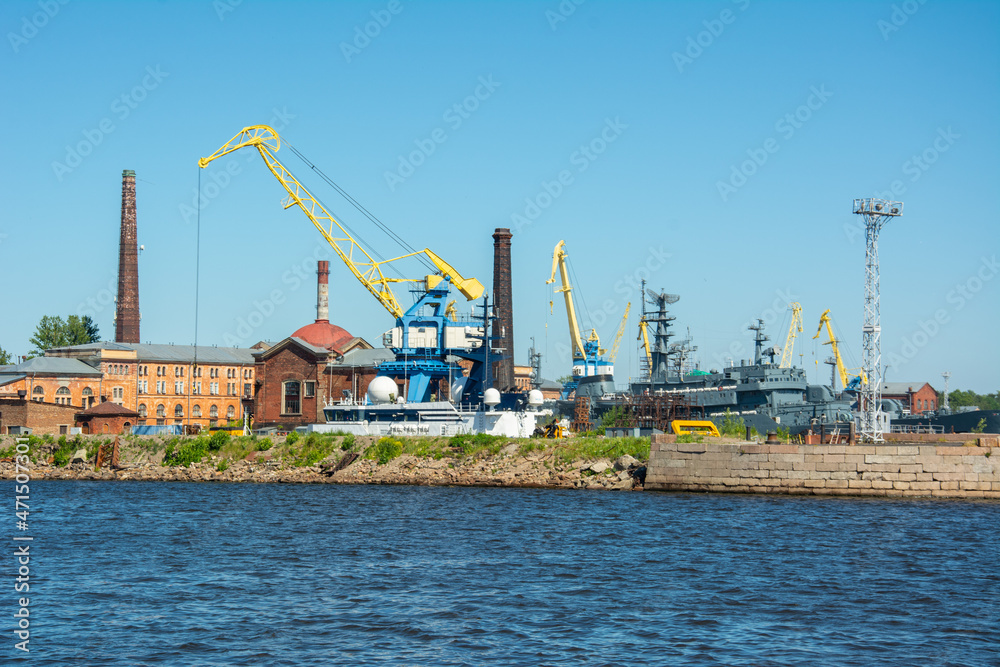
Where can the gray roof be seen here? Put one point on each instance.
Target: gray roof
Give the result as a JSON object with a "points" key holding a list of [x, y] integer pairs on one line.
{"points": [[901, 387], [7, 378], [56, 366], [365, 357], [207, 354], [550, 384]]}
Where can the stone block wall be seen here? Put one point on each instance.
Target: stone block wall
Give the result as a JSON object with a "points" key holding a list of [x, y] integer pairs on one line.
{"points": [[950, 470]]}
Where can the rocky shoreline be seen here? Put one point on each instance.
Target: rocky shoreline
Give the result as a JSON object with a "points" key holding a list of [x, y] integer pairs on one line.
{"points": [[508, 468]]}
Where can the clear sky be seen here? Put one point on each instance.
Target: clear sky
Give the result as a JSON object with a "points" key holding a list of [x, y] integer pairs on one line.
{"points": [[714, 148]]}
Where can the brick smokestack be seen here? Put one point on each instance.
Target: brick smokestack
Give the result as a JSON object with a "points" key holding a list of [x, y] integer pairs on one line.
{"points": [[127, 309], [503, 305], [323, 291]]}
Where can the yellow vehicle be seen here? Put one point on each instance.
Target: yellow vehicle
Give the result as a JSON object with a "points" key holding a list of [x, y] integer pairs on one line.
{"points": [[685, 426]]}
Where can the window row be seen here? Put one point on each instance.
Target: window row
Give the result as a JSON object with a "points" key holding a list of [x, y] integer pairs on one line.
{"points": [[196, 413]]}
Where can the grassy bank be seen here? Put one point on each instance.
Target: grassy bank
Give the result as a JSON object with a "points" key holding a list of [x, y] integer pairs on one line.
{"points": [[294, 450]]}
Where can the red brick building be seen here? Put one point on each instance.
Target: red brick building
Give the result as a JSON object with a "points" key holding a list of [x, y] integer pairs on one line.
{"points": [[107, 417], [917, 397], [19, 416]]}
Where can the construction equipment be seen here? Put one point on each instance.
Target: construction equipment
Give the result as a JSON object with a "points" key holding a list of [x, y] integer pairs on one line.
{"points": [[588, 355], [848, 380], [793, 328], [685, 426], [426, 333], [613, 354], [552, 430]]}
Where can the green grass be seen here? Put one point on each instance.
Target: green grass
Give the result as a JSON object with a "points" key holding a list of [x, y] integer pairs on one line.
{"points": [[597, 447], [470, 445], [315, 447]]}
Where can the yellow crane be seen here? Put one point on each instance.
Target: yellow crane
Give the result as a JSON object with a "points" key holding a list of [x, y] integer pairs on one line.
{"points": [[559, 263], [613, 354], [366, 269], [644, 337], [587, 354], [793, 328], [847, 380]]}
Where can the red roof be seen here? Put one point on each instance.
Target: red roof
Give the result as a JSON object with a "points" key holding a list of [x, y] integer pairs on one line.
{"points": [[109, 409], [323, 334]]}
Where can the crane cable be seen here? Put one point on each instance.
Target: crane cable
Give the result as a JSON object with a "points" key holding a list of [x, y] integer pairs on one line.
{"points": [[368, 214]]}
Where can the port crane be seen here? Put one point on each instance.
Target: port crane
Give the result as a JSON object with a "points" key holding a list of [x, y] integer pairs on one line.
{"points": [[793, 328], [427, 332], [848, 380], [588, 355]]}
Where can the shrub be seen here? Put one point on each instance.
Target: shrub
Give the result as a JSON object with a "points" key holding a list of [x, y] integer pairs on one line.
{"points": [[348, 442], [292, 438], [223, 465], [385, 450], [187, 453], [218, 440], [264, 445]]}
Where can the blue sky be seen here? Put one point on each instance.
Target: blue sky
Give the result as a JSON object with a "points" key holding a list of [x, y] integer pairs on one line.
{"points": [[713, 147]]}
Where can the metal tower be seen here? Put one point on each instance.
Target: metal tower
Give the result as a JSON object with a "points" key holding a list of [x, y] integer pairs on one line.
{"points": [[503, 304], [875, 212], [946, 375]]}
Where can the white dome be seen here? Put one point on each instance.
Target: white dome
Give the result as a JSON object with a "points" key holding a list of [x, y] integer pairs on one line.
{"points": [[491, 397], [535, 397], [382, 390]]}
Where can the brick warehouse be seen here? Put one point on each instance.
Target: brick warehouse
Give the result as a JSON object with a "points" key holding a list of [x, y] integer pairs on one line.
{"points": [[163, 384], [914, 396]]}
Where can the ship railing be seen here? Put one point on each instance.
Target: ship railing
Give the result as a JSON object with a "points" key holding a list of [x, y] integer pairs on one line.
{"points": [[917, 428]]}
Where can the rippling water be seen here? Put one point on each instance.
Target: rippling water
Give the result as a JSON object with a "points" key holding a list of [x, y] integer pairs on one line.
{"points": [[258, 574]]}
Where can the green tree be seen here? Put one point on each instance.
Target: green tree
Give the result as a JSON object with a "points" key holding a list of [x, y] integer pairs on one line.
{"points": [[4, 357], [50, 332], [54, 331], [81, 330]]}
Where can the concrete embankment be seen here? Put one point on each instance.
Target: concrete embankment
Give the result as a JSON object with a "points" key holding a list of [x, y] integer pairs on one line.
{"points": [[957, 467]]}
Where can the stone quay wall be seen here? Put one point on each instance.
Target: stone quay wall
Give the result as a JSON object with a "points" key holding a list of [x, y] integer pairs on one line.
{"points": [[955, 469]]}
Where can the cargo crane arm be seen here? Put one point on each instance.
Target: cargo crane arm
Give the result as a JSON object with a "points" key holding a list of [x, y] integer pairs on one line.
{"points": [[793, 328], [644, 337], [846, 379], [365, 268], [613, 354], [559, 262]]}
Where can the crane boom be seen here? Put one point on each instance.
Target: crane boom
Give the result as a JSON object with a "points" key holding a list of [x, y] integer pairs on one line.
{"points": [[644, 337], [613, 354], [364, 267], [793, 328], [559, 262], [845, 378]]}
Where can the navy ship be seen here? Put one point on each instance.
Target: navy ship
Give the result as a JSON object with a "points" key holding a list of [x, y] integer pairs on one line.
{"points": [[763, 394]]}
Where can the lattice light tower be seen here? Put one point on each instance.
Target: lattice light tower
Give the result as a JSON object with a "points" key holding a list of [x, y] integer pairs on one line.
{"points": [[875, 213]]}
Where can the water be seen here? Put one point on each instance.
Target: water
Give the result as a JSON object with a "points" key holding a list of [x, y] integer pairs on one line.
{"points": [[255, 574]]}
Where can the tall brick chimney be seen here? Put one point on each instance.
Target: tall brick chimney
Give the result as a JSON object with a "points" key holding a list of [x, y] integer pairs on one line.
{"points": [[127, 310], [323, 291], [503, 305]]}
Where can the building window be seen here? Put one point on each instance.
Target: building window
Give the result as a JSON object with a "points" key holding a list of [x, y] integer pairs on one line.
{"points": [[161, 411], [179, 387], [38, 394], [142, 410], [213, 411], [196, 388], [62, 396], [117, 393], [230, 412], [63, 429], [291, 398], [178, 411], [310, 389], [246, 390], [196, 411]]}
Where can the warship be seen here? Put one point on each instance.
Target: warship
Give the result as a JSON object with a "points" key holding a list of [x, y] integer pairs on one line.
{"points": [[765, 395]]}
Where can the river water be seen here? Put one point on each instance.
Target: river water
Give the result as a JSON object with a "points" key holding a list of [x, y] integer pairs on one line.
{"points": [[261, 574]]}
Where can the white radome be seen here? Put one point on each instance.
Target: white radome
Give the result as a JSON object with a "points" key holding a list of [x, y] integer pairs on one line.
{"points": [[535, 397], [491, 397], [382, 390]]}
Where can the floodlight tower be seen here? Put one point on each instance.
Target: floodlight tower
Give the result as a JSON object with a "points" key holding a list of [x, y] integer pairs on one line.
{"points": [[875, 212]]}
